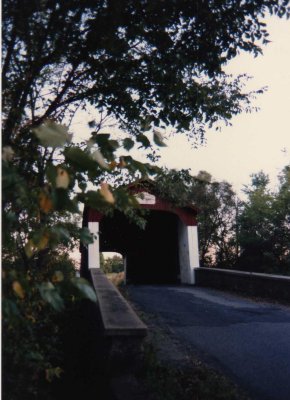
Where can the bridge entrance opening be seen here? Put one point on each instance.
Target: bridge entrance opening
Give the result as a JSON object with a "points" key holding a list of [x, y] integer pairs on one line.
{"points": [[166, 251], [150, 255], [111, 262]]}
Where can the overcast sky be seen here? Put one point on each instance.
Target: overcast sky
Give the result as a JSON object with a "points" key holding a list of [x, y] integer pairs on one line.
{"points": [[257, 141]]}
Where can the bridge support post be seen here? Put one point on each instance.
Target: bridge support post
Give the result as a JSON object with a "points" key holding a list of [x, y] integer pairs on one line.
{"points": [[188, 252], [194, 257], [94, 248]]}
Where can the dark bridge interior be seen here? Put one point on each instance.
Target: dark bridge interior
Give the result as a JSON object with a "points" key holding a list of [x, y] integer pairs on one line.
{"points": [[151, 254]]}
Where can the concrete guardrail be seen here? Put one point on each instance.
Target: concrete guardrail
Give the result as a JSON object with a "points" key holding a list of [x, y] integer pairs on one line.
{"points": [[123, 330], [271, 287]]}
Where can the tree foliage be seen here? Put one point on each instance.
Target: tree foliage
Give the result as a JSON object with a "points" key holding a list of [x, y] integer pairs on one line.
{"points": [[264, 226], [142, 61], [36, 305], [112, 264]]}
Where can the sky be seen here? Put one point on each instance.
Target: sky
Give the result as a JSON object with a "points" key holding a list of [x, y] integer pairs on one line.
{"points": [[254, 142]]}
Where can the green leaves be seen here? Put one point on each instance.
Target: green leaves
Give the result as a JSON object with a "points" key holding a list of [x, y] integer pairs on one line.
{"points": [[128, 144], [143, 140], [80, 159], [50, 295], [52, 373], [85, 288], [263, 226], [59, 233], [51, 134], [158, 138], [106, 145], [93, 199], [62, 201], [86, 237], [146, 123]]}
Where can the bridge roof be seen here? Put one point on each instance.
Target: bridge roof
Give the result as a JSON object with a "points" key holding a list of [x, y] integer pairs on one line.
{"points": [[148, 185], [149, 199]]}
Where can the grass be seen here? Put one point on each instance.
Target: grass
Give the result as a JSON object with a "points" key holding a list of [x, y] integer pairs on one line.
{"points": [[193, 381], [116, 278]]}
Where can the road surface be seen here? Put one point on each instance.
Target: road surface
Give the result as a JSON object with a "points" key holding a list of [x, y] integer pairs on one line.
{"points": [[246, 340]]}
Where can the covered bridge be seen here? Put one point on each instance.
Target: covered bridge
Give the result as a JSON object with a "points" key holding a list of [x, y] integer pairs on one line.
{"points": [[166, 251]]}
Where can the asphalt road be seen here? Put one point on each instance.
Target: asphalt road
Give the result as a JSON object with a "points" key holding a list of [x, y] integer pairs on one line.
{"points": [[248, 341]]}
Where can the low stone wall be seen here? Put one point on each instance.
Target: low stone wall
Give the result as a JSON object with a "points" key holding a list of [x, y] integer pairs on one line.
{"points": [[272, 287], [122, 329]]}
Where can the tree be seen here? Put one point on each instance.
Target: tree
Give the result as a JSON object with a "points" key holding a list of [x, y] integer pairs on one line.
{"points": [[112, 264], [264, 230], [216, 218], [282, 220], [139, 61]]}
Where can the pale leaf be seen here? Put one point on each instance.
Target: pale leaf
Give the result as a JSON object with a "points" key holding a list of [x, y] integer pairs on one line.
{"points": [[18, 289], [106, 193], [62, 178], [7, 153], [98, 156], [51, 134]]}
